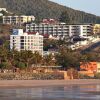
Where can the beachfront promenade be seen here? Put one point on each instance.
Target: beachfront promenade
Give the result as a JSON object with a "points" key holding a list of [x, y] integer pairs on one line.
{"points": [[37, 83]]}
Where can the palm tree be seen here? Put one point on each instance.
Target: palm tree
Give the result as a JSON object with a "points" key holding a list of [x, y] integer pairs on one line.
{"points": [[12, 58], [49, 60], [37, 58], [26, 57], [4, 57]]}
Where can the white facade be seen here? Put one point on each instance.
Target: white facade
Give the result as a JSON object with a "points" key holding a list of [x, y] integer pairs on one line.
{"points": [[4, 9], [17, 19], [55, 30], [98, 67], [80, 30], [24, 41], [1, 14], [61, 29]]}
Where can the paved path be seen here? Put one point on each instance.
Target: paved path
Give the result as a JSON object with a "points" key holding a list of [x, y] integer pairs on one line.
{"points": [[91, 47], [35, 83]]}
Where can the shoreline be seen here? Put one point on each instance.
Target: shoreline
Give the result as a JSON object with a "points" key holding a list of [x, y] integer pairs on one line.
{"points": [[46, 83]]}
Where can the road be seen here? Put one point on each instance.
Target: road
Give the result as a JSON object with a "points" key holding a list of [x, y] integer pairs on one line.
{"points": [[91, 47]]}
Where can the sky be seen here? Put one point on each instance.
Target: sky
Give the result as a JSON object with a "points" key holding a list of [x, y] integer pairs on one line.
{"points": [[89, 6]]}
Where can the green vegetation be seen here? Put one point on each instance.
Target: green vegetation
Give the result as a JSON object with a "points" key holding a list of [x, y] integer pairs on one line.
{"points": [[81, 76], [65, 17], [27, 60], [68, 58], [97, 76], [5, 30], [47, 9]]}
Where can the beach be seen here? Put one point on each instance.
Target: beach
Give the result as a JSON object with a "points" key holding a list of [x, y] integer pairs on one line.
{"points": [[39, 83]]}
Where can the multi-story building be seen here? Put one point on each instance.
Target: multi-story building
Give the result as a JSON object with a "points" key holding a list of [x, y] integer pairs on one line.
{"points": [[96, 28], [50, 29], [60, 29], [17, 19], [84, 30], [26, 41]]}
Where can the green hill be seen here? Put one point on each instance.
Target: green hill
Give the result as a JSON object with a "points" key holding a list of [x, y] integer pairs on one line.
{"points": [[47, 9]]}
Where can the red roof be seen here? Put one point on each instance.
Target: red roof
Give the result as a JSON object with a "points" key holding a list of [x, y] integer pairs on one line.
{"points": [[49, 21], [31, 33], [46, 35]]}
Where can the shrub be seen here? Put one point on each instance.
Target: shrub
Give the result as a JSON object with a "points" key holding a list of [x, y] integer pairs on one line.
{"points": [[97, 76], [81, 76]]}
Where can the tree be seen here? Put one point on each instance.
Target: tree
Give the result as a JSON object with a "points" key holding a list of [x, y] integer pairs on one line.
{"points": [[68, 58], [3, 54], [65, 17], [26, 57], [50, 44], [20, 65], [49, 60], [37, 58]]}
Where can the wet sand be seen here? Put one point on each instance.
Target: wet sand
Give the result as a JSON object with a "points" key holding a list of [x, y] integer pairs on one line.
{"points": [[39, 83]]}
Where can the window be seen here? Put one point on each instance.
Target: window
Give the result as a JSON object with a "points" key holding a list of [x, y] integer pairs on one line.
{"points": [[98, 68], [22, 44], [22, 37], [22, 40], [22, 47]]}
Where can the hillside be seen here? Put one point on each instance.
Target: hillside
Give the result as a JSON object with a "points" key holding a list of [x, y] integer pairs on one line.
{"points": [[47, 9]]}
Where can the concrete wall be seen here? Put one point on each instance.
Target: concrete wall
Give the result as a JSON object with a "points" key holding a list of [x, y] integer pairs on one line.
{"points": [[98, 67], [88, 73]]}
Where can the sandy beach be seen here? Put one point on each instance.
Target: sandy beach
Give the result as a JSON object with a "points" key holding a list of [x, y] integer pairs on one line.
{"points": [[38, 83]]}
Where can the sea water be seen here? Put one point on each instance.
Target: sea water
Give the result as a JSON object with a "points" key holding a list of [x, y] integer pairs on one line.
{"points": [[68, 92]]}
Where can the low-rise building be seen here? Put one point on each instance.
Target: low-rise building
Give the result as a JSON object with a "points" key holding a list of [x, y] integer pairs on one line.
{"points": [[17, 19], [90, 66], [26, 41]]}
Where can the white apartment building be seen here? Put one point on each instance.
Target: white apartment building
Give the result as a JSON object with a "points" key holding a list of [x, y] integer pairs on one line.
{"points": [[26, 41], [60, 29], [81, 30], [17, 19], [56, 30]]}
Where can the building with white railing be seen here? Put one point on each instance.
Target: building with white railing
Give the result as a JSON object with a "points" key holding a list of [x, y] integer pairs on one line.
{"points": [[61, 29], [26, 41], [17, 19]]}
